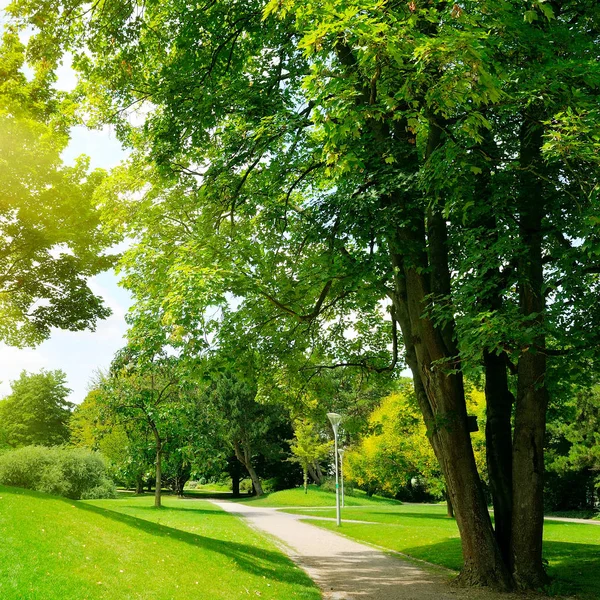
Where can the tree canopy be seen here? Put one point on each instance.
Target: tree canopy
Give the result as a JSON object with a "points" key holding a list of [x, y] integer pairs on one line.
{"points": [[37, 411], [51, 241]]}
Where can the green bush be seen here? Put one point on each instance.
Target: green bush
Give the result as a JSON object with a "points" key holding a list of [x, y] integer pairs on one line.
{"points": [[245, 486], [70, 472]]}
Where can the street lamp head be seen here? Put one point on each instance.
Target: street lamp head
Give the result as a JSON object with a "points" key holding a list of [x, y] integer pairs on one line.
{"points": [[341, 453], [335, 419]]}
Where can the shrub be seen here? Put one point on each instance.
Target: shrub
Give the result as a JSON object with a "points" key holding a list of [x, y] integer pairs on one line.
{"points": [[70, 472], [245, 486]]}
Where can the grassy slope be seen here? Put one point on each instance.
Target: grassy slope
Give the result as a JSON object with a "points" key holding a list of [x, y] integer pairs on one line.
{"points": [[55, 549], [314, 497], [424, 531]]}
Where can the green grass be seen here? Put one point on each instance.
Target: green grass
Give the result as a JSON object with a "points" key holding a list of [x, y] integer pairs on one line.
{"points": [[425, 532], [56, 549], [314, 497], [593, 515]]}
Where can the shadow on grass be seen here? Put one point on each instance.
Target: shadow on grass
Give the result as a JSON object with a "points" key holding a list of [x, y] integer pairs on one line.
{"points": [[574, 568], [447, 553], [258, 561], [195, 494], [199, 511]]}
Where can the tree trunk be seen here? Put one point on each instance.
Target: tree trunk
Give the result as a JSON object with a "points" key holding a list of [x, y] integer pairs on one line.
{"points": [[532, 394], [158, 483], [235, 477], [449, 507], [439, 390], [315, 473], [243, 454], [498, 439], [499, 399], [139, 485], [305, 474]]}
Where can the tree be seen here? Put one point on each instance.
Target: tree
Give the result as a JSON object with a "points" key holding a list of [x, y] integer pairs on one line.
{"points": [[375, 174], [244, 424], [125, 444], [573, 451], [50, 236], [308, 449], [145, 394], [37, 411]]}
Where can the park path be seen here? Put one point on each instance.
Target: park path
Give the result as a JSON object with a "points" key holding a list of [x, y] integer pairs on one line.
{"points": [[347, 570]]}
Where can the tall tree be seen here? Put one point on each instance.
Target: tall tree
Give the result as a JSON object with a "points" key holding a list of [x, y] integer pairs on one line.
{"points": [[373, 173], [51, 241], [37, 411]]}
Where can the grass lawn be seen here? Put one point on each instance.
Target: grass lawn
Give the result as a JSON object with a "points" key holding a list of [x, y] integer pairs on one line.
{"points": [[425, 532], [314, 497], [56, 549]]}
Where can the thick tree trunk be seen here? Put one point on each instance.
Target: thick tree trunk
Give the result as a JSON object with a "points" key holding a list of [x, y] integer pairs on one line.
{"points": [[498, 438], [499, 399], [139, 485], [312, 473], [158, 484], [433, 360], [532, 394], [235, 477], [243, 454]]}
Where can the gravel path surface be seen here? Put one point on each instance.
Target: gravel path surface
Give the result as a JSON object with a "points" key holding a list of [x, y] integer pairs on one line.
{"points": [[347, 570]]}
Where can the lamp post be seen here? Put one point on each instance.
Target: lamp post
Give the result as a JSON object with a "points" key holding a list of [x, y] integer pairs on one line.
{"points": [[341, 453], [335, 420]]}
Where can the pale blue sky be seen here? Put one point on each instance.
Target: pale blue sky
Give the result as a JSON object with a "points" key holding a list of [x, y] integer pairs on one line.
{"points": [[78, 354]]}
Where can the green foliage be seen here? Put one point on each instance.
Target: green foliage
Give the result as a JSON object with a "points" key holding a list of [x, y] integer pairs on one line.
{"points": [[308, 447], [70, 472], [573, 452], [394, 456], [395, 452], [50, 236], [37, 411], [332, 181]]}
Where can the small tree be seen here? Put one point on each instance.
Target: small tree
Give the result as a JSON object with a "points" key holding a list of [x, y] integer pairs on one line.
{"points": [[144, 391], [308, 448]]}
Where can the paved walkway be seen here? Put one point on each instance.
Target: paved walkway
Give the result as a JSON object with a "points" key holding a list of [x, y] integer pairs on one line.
{"points": [[573, 520], [347, 570]]}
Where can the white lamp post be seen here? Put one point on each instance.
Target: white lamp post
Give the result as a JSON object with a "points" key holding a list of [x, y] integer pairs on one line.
{"points": [[335, 420], [341, 453]]}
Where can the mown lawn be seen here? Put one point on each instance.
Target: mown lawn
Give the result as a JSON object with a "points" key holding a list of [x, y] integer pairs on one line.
{"points": [[425, 532], [56, 549], [314, 497]]}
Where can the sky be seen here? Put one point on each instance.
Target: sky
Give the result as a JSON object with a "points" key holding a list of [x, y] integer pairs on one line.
{"points": [[78, 354]]}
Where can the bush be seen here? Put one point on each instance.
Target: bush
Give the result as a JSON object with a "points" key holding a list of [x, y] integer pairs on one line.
{"points": [[70, 472], [245, 486]]}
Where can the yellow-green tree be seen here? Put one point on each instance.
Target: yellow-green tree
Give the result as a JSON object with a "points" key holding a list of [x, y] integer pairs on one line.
{"points": [[308, 448], [396, 450]]}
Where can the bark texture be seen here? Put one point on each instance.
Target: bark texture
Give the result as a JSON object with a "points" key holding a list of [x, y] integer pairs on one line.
{"points": [[532, 394]]}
